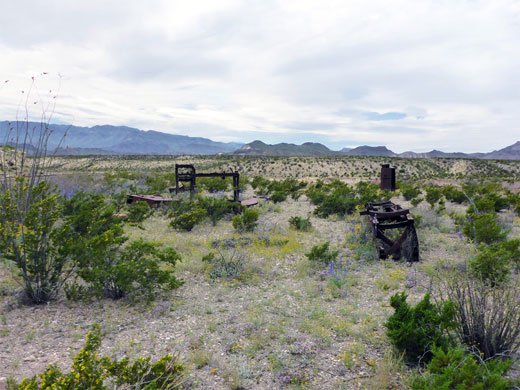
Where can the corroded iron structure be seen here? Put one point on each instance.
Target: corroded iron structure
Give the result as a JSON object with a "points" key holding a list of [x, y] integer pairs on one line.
{"points": [[151, 200], [387, 178], [186, 173], [390, 216]]}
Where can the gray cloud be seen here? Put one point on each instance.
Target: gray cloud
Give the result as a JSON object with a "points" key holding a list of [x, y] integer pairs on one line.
{"points": [[431, 74]]}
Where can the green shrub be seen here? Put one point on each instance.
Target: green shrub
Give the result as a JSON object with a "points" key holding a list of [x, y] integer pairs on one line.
{"points": [[138, 212], [463, 370], [493, 263], [416, 201], [454, 195], [259, 181], [157, 183], [215, 208], [321, 254], [91, 371], [278, 196], [247, 221], [299, 223], [415, 330], [483, 228], [433, 195], [30, 237], [410, 192], [137, 269], [186, 221], [213, 184], [340, 202]]}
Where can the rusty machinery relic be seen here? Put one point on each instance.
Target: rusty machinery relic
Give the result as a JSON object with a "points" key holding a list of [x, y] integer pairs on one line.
{"points": [[186, 173], [390, 216], [387, 178]]}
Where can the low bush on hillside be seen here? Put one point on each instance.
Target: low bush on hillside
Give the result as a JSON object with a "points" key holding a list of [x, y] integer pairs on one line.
{"points": [[484, 228], [321, 254], [247, 221], [299, 223], [91, 371], [415, 330], [341, 199], [457, 368], [138, 212], [493, 263]]}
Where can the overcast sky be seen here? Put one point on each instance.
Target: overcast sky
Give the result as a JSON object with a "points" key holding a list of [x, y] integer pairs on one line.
{"points": [[411, 75]]}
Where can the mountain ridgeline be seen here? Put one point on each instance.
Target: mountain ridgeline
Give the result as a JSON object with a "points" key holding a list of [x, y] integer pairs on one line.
{"points": [[123, 140], [258, 148], [106, 139]]}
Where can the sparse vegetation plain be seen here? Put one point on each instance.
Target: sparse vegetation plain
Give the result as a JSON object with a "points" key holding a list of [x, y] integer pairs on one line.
{"points": [[252, 308]]}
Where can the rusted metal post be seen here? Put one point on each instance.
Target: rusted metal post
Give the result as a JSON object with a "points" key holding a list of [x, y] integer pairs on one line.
{"points": [[387, 178]]}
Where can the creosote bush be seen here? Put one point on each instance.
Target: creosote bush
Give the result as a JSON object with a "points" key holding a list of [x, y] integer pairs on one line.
{"points": [[187, 221], [33, 239], [108, 265], [138, 212], [416, 330], [493, 263], [484, 228], [91, 371]]}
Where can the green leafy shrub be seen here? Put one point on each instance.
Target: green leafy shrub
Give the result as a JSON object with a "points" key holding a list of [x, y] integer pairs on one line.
{"points": [[493, 263], [216, 209], [452, 194], [322, 254], [483, 228], [247, 221], [138, 212], [459, 369], [187, 221], [278, 196], [213, 184], [259, 181], [341, 201], [433, 195], [409, 192], [416, 201], [157, 182], [136, 269], [338, 198], [299, 223], [91, 371], [30, 237], [415, 330]]}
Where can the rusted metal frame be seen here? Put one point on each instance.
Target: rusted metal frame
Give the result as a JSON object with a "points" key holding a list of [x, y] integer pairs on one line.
{"points": [[192, 175], [396, 218]]}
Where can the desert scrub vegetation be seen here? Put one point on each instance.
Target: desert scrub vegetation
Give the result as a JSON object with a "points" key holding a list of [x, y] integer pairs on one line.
{"points": [[91, 371], [254, 311]]}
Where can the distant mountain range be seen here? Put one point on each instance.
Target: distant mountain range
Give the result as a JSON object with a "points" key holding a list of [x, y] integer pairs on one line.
{"points": [[259, 148], [108, 139]]}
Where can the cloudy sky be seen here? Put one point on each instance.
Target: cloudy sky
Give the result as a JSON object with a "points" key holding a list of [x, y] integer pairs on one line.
{"points": [[411, 75]]}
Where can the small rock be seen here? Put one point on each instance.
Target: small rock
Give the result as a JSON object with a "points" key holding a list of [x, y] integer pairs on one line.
{"points": [[29, 359], [3, 383]]}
